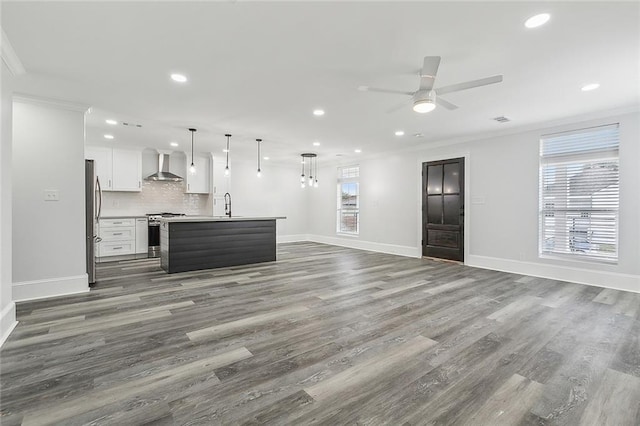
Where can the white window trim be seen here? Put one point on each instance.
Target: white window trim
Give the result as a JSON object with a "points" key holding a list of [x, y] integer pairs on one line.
{"points": [[340, 181], [575, 157]]}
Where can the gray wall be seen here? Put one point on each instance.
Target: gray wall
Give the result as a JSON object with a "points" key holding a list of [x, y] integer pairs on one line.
{"points": [[48, 236], [276, 193], [7, 307]]}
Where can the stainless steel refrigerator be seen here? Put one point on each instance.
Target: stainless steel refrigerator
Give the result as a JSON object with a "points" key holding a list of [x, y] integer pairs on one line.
{"points": [[93, 200]]}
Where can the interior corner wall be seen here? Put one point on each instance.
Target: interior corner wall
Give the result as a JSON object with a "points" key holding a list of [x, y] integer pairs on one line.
{"points": [[387, 206], [48, 236], [502, 215], [276, 193], [7, 305]]}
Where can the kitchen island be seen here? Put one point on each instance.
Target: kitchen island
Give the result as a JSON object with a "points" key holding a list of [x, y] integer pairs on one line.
{"points": [[191, 243]]}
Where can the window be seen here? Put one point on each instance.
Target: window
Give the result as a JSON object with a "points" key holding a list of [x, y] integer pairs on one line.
{"points": [[348, 219], [579, 193]]}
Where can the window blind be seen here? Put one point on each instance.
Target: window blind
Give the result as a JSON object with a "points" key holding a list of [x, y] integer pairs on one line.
{"points": [[348, 203], [579, 193]]}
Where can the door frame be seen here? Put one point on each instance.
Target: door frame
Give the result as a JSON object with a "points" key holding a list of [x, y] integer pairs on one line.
{"points": [[440, 156]]}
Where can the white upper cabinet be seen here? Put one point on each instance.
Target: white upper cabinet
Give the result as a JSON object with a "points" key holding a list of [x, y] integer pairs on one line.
{"points": [[127, 170], [220, 181], [200, 181], [102, 158], [117, 169]]}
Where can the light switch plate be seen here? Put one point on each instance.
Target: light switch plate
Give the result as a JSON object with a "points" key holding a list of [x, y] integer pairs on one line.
{"points": [[51, 195]]}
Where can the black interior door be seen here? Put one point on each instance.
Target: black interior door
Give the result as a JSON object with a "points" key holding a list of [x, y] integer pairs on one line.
{"points": [[443, 209]]}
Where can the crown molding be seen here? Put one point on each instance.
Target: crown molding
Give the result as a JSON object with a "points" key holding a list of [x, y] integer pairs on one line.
{"points": [[9, 56], [49, 102]]}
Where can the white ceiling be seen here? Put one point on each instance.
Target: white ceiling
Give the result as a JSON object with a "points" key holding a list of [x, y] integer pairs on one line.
{"points": [[257, 70]]}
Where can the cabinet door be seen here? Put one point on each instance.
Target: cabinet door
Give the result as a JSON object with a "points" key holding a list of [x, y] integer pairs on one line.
{"points": [[127, 170], [198, 182], [142, 236], [220, 181], [102, 161]]}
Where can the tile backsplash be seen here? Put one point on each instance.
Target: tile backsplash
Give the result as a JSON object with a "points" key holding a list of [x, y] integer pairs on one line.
{"points": [[156, 197]]}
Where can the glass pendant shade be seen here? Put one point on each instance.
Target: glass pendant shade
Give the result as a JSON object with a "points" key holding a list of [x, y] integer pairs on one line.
{"points": [[311, 158]]}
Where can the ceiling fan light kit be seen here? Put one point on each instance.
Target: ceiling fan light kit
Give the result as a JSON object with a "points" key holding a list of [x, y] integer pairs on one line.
{"points": [[424, 101]]}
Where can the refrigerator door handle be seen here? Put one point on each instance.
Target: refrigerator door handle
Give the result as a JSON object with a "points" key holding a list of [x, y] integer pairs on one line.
{"points": [[99, 197]]}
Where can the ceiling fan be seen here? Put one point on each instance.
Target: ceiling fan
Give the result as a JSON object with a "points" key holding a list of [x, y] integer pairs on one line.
{"points": [[426, 97]]}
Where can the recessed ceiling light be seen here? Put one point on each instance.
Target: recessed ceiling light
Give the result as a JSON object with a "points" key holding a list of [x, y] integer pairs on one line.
{"points": [[179, 78], [590, 86], [110, 121], [357, 151], [318, 112], [399, 133], [265, 158], [174, 144], [108, 136], [537, 20], [316, 144]]}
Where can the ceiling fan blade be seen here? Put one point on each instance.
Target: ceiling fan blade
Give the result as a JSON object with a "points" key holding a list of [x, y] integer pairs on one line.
{"points": [[375, 89], [429, 71], [397, 107], [469, 85], [446, 104]]}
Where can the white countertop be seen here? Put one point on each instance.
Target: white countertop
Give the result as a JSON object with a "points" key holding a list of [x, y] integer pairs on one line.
{"points": [[124, 217], [181, 219]]}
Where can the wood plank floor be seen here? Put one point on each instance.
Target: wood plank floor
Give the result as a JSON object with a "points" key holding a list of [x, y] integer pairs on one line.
{"points": [[325, 335]]}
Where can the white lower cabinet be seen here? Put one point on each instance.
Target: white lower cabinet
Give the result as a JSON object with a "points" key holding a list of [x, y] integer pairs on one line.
{"points": [[142, 236], [122, 236], [116, 248]]}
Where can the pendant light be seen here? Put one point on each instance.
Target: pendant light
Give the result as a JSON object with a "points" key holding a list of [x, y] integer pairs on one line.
{"points": [[258, 143], [226, 169], [192, 169], [303, 180], [315, 184]]}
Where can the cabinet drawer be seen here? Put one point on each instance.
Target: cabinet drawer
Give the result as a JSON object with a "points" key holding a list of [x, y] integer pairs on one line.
{"points": [[115, 249], [117, 234], [112, 223]]}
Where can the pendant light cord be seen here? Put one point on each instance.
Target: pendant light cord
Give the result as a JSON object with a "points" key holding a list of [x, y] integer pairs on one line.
{"points": [[193, 167], [258, 140], [228, 136]]}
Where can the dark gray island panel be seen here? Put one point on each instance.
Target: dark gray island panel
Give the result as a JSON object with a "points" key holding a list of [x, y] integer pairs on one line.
{"points": [[190, 246]]}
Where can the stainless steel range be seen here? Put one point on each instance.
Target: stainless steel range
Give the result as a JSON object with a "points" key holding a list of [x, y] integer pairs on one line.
{"points": [[154, 231]]}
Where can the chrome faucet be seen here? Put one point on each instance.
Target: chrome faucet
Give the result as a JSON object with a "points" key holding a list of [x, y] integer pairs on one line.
{"points": [[227, 204]]}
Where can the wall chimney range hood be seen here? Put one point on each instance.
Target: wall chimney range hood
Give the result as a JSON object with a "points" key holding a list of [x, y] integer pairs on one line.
{"points": [[163, 173]]}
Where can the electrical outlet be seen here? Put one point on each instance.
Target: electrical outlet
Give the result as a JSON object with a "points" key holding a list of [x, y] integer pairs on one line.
{"points": [[51, 195]]}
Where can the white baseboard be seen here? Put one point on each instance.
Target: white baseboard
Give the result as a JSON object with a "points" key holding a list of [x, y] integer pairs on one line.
{"points": [[7, 321], [291, 238], [39, 289], [605, 279], [367, 245], [613, 280]]}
